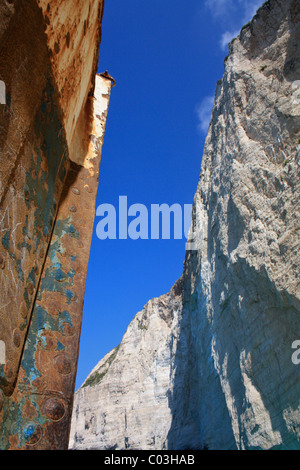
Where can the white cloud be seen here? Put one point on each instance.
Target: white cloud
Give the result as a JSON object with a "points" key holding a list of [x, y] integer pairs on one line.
{"points": [[232, 14], [227, 37], [203, 111], [219, 8], [250, 8]]}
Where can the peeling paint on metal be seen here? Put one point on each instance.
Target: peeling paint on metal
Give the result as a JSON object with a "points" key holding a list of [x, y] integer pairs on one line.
{"points": [[44, 391]]}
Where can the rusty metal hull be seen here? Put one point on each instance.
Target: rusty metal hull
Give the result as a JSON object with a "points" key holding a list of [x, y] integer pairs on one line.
{"points": [[49, 178]]}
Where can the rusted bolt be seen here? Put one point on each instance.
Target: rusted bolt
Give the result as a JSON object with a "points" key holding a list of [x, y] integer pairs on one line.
{"points": [[68, 330], [17, 338], [54, 409], [62, 364], [76, 191], [48, 341], [73, 209], [32, 434], [88, 189], [60, 276]]}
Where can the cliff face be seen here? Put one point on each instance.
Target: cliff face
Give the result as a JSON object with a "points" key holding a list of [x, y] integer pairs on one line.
{"points": [[125, 401], [244, 277], [231, 383]]}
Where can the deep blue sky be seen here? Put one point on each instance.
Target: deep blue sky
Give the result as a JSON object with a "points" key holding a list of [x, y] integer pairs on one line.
{"points": [[166, 57]]}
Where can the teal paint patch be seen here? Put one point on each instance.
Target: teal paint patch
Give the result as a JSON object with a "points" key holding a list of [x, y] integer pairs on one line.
{"points": [[57, 279], [59, 275], [26, 298], [41, 321], [12, 422], [19, 269], [29, 431], [28, 362], [6, 240], [48, 166], [8, 99], [63, 227], [25, 228], [15, 424], [72, 230], [60, 347], [70, 295], [31, 276], [6, 243]]}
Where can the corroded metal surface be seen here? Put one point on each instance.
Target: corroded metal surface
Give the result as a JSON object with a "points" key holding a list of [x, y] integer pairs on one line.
{"points": [[49, 177], [34, 160], [73, 29]]}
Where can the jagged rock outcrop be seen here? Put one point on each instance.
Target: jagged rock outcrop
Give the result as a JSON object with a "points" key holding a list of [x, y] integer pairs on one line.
{"points": [[130, 387], [233, 383]]}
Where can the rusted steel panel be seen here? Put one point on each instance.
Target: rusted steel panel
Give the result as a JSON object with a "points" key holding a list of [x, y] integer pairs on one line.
{"points": [[34, 161], [37, 415], [49, 177], [73, 29]]}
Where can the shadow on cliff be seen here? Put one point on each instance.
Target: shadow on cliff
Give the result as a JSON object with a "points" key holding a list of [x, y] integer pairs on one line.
{"points": [[292, 61], [200, 418], [184, 433], [251, 338]]}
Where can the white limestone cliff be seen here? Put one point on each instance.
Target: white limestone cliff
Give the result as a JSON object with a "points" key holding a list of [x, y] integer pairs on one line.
{"points": [[129, 389], [224, 368]]}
